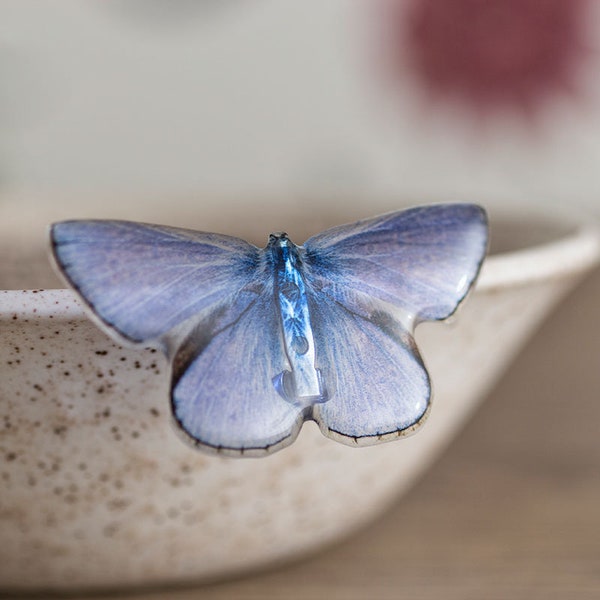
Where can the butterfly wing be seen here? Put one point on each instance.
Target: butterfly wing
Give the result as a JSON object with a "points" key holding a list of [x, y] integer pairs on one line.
{"points": [[210, 292], [373, 281], [142, 281], [375, 380], [223, 391], [422, 260]]}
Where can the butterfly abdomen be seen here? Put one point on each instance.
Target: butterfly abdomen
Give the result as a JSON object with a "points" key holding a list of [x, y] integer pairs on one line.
{"points": [[302, 384]]}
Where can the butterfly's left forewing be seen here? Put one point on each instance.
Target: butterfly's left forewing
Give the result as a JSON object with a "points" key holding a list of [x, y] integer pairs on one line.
{"points": [[143, 281]]}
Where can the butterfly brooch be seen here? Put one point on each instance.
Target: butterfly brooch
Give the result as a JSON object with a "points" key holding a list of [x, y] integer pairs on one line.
{"points": [[261, 340]]}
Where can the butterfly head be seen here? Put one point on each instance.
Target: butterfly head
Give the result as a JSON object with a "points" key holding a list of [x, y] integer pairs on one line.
{"points": [[283, 251], [280, 242], [279, 238]]}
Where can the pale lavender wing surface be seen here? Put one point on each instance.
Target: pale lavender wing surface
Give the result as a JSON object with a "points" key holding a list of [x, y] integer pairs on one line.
{"points": [[223, 395], [423, 260], [143, 280], [376, 383], [373, 280]]}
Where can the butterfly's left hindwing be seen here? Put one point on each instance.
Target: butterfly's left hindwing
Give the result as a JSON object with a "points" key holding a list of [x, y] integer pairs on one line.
{"points": [[223, 393]]}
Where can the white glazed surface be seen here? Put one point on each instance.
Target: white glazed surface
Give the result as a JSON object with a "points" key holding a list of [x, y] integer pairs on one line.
{"points": [[99, 491]]}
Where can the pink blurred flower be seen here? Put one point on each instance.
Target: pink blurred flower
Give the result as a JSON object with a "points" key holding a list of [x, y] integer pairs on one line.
{"points": [[490, 55]]}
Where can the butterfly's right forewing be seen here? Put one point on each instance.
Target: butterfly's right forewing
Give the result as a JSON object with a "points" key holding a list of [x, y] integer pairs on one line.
{"points": [[422, 260]]}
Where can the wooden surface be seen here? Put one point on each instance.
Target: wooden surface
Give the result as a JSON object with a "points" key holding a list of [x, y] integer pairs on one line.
{"points": [[512, 509]]}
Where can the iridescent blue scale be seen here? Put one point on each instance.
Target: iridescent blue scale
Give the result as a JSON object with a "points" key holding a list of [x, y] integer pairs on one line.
{"points": [[302, 385]]}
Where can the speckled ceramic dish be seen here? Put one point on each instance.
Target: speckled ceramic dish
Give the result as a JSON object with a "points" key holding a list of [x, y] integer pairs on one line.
{"points": [[97, 489]]}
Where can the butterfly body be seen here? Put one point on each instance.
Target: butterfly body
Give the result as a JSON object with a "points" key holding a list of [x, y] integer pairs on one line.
{"points": [[301, 384], [263, 339]]}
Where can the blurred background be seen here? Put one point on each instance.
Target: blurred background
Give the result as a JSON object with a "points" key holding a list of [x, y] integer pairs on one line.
{"points": [[420, 99], [416, 98]]}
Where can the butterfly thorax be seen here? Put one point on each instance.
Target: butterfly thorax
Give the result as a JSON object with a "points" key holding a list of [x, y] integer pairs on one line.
{"points": [[302, 383]]}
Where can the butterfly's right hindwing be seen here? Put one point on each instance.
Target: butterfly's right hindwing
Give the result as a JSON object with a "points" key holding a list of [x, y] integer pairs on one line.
{"points": [[377, 385]]}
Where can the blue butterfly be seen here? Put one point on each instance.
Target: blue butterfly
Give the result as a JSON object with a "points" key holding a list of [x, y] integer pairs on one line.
{"points": [[263, 339]]}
